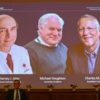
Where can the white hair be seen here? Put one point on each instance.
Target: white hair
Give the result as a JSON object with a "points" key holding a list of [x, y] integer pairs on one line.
{"points": [[44, 18], [90, 17]]}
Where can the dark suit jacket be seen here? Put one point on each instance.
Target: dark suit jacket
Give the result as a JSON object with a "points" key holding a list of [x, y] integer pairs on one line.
{"points": [[10, 94], [77, 62]]}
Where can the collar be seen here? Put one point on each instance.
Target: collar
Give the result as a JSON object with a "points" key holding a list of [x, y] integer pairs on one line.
{"points": [[95, 51], [40, 41], [4, 54]]}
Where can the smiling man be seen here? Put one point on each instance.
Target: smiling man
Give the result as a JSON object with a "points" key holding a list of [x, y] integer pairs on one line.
{"points": [[47, 53], [85, 58], [14, 59]]}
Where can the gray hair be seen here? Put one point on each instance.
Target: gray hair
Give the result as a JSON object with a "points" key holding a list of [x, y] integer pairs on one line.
{"points": [[44, 18], [90, 17], [4, 16]]}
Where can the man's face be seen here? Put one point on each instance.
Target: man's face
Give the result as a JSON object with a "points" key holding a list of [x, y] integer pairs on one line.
{"points": [[16, 84], [8, 32], [89, 32], [51, 32]]}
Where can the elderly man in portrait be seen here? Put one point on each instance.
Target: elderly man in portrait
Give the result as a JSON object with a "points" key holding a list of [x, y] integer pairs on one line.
{"points": [[85, 57], [14, 59], [47, 53]]}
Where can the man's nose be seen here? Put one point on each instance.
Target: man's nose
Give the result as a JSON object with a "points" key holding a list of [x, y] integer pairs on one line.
{"points": [[85, 31], [56, 32], [8, 33]]}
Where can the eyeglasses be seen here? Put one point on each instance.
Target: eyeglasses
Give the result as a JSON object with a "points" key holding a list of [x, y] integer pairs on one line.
{"points": [[88, 29]]}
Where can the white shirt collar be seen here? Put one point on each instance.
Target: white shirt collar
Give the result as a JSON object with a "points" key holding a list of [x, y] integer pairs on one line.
{"points": [[40, 40], [96, 50]]}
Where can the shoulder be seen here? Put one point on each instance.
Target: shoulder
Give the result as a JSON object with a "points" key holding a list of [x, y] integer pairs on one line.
{"points": [[18, 48], [30, 44], [35, 47], [61, 45], [10, 91], [22, 90], [77, 48]]}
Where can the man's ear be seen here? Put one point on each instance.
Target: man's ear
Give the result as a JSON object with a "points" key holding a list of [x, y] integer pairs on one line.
{"points": [[40, 27], [99, 31]]}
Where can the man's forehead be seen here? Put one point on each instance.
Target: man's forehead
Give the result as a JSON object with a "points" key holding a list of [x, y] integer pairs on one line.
{"points": [[88, 20], [7, 23], [7, 19]]}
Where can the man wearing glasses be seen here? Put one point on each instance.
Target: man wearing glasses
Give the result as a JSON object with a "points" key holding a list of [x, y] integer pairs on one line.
{"points": [[85, 58]]}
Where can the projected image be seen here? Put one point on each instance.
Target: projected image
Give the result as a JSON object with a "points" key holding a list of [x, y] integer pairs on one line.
{"points": [[48, 54], [14, 58], [58, 40], [84, 58]]}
